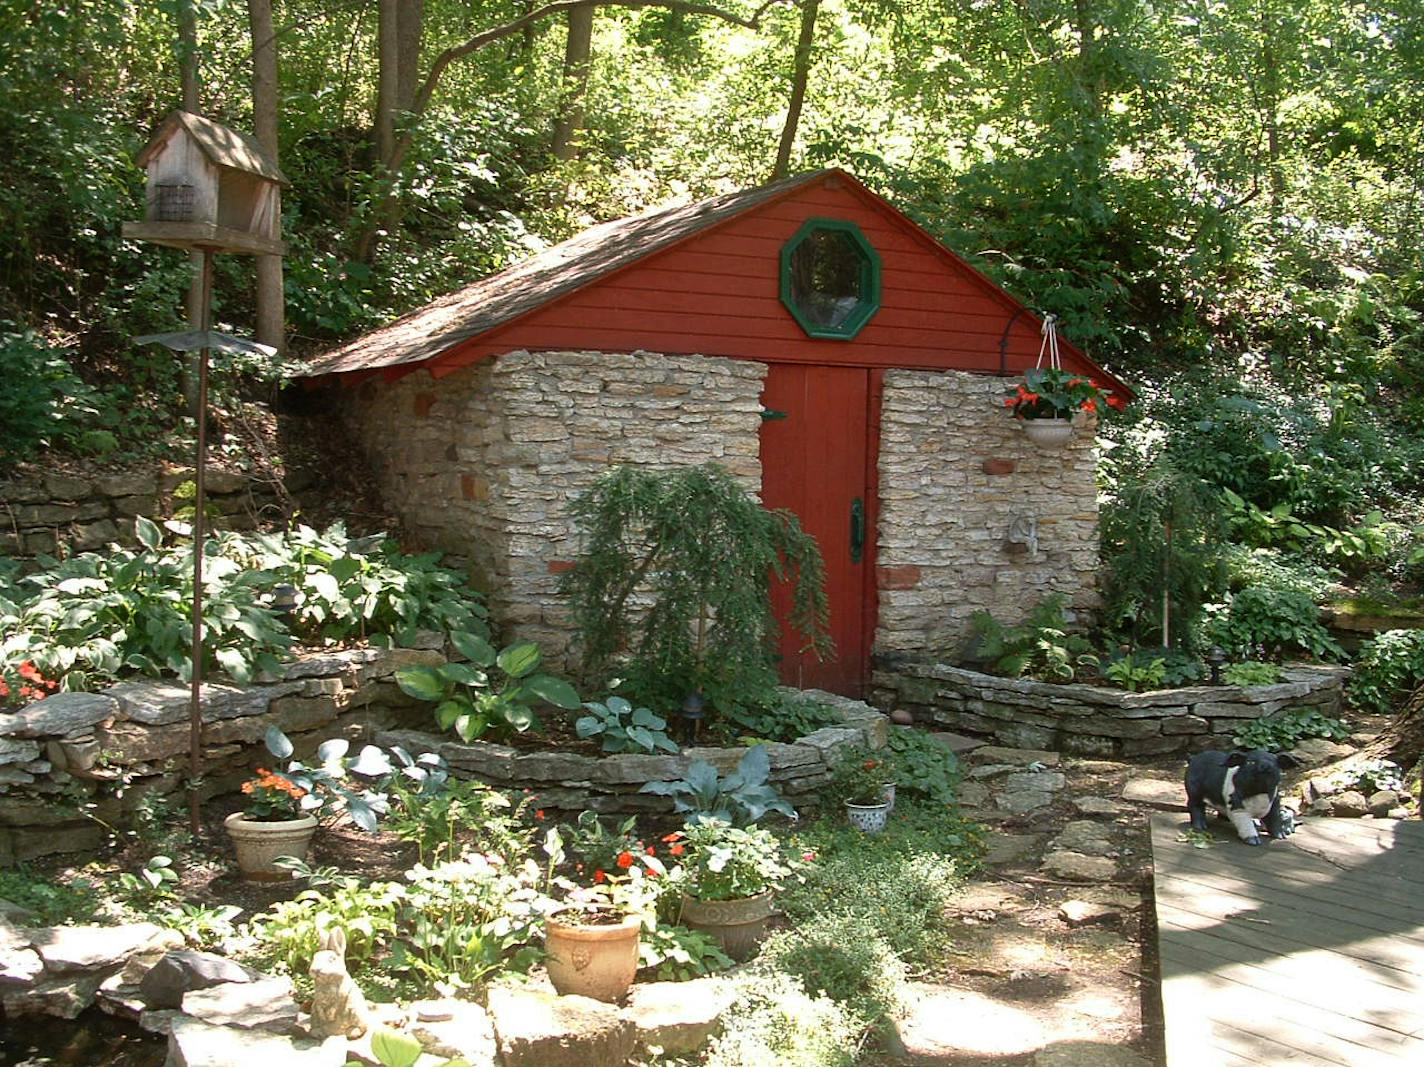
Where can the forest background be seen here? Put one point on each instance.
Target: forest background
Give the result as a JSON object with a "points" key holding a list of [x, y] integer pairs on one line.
{"points": [[1219, 199]]}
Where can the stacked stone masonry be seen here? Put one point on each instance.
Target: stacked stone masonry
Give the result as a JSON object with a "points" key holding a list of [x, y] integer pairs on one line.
{"points": [[569, 781], [63, 514], [1092, 721], [483, 464], [74, 762]]}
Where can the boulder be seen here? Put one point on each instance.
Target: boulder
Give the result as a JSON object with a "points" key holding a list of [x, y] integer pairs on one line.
{"points": [[98, 948], [465, 1031], [1383, 802], [1350, 804], [193, 1043], [677, 1017], [266, 1004], [184, 971], [61, 715], [539, 1029], [1076, 867], [63, 996]]}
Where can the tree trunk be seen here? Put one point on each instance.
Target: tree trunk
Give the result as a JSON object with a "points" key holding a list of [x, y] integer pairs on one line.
{"points": [[1403, 740], [387, 78], [271, 318], [577, 55], [1270, 105], [800, 72]]}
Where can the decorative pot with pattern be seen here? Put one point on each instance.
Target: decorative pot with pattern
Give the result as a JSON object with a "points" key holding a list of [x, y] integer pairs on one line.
{"points": [[868, 818], [1048, 433], [258, 844], [738, 925], [595, 960]]}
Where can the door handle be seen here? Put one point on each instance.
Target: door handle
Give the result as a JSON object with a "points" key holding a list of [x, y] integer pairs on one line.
{"points": [[857, 529]]}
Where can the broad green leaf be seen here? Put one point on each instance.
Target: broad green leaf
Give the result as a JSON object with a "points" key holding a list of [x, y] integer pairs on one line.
{"points": [[344, 568], [474, 648], [555, 690], [521, 718], [147, 533], [277, 743], [236, 665], [464, 674], [587, 726], [325, 585], [449, 712], [332, 749], [394, 1049], [519, 659], [423, 683]]}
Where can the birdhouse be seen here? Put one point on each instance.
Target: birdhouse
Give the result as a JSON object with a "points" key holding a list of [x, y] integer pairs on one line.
{"points": [[210, 188]]}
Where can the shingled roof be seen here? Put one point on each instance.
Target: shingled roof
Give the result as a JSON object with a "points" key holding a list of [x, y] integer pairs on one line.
{"points": [[223, 146], [496, 299]]}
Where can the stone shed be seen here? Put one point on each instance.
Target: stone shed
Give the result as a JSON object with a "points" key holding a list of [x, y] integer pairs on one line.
{"points": [[807, 335]]}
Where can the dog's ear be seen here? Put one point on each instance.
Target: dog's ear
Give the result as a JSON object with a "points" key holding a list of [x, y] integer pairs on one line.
{"points": [[1237, 758], [1287, 761]]}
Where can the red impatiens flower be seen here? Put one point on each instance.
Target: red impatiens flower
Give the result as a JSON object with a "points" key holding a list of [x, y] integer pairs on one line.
{"points": [[625, 860], [539, 814], [1089, 405], [1115, 401], [678, 850], [672, 836], [600, 877]]}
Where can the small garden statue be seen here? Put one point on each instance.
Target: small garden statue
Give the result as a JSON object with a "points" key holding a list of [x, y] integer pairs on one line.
{"points": [[338, 1005]]}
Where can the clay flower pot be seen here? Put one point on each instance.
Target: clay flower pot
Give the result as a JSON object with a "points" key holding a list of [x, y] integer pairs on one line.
{"points": [[595, 960], [1048, 433], [737, 925], [258, 844]]}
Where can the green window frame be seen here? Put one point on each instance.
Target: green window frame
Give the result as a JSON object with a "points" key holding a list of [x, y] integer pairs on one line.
{"points": [[868, 280]]}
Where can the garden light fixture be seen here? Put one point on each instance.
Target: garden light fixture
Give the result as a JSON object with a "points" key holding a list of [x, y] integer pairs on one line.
{"points": [[1215, 657], [692, 714]]}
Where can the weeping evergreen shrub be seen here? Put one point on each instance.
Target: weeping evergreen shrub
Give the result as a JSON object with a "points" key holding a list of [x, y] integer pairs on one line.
{"points": [[672, 589]]}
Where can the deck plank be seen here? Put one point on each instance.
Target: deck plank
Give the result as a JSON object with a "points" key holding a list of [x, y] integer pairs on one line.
{"points": [[1308, 951]]}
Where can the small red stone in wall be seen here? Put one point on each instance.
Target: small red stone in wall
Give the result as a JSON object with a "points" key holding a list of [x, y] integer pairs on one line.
{"points": [[423, 403], [903, 577], [999, 466], [559, 566]]}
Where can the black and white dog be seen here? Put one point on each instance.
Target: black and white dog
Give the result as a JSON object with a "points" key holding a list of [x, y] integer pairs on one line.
{"points": [[1243, 786]]}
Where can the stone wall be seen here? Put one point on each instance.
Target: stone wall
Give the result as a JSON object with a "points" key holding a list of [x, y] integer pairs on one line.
{"points": [[483, 463], [570, 781], [1093, 721], [957, 476], [62, 513], [75, 761]]}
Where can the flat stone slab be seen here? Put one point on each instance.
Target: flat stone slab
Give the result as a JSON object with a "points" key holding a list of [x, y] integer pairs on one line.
{"points": [[1088, 1054], [1088, 912], [957, 743], [1163, 793], [1076, 867], [59, 715], [193, 1043], [466, 1032], [1099, 806], [539, 1029], [1085, 836], [1019, 757], [83, 948], [678, 1017], [263, 1005], [944, 1023], [1001, 849]]}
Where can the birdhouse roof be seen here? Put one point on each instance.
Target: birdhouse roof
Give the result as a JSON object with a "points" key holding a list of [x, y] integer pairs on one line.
{"points": [[223, 146]]}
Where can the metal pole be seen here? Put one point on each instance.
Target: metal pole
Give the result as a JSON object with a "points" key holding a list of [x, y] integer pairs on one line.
{"points": [[195, 707]]}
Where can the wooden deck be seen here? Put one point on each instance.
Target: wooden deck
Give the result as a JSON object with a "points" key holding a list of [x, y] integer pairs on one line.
{"points": [[1306, 951]]}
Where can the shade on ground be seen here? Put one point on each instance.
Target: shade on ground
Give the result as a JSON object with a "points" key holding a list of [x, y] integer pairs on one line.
{"points": [[1306, 951]]}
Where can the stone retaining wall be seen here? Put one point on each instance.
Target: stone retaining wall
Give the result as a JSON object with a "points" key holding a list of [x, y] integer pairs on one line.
{"points": [[1094, 721], [62, 513], [569, 781], [73, 762]]}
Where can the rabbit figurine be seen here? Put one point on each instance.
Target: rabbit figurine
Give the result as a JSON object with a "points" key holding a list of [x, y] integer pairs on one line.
{"points": [[338, 1005]]}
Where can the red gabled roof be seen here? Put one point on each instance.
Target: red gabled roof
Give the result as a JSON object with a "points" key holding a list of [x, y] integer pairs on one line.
{"points": [[703, 278]]}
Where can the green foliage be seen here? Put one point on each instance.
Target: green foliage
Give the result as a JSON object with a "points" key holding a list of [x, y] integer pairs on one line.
{"points": [[394, 1049], [42, 402], [1367, 777], [1041, 647], [772, 1019], [920, 764], [466, 814], [1262, 621], [494, 692], [1387, 669], [289, 932], [699, 550], [1054, 393], [1137, 671], [726, 862], [54, 903], [624, 728], [860, 775], [741, 798], [673, 953], [591, 843], [847, 958], [781, 717], [1283, 730], [1251, 672]]}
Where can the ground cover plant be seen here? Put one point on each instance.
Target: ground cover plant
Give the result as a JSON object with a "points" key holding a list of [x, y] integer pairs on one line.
{"points": [[93, 618]]}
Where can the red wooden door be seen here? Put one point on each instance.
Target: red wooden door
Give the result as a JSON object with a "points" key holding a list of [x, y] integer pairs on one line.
{"points": [[818, 458]]}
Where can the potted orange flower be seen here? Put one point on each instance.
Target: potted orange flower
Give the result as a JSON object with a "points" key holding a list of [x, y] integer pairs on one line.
{"points": [[1049, 397], [271, 825]]}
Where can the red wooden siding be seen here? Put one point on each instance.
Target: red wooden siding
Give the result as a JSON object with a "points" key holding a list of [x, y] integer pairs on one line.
{"points": [[716, 294]]}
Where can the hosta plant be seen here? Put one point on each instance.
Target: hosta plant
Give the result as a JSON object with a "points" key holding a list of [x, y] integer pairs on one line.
{"points": [[742, 797], [493, 693], [620, 727]]}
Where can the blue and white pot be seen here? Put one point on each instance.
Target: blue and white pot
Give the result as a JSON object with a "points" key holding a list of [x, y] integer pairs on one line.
{"points": [[868, 818]]}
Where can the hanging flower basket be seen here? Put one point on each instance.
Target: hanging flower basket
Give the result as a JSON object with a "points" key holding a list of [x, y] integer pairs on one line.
{"points": [[1048, 398]]}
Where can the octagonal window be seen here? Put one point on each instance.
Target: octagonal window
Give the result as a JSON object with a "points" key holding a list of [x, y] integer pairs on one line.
{"points": [[830, 278]]}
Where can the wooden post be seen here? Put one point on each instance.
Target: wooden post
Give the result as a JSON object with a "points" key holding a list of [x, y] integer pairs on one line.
{"points": [[195, 707]]}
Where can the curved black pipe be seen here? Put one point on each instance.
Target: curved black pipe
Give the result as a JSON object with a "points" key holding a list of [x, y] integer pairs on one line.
{"points": [[1004, 341]]}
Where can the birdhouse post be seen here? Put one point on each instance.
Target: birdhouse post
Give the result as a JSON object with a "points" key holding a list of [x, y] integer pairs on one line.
{"points": [[210, 189]]}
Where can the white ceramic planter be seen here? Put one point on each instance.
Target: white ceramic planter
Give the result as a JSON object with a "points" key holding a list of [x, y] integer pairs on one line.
{"points": [[1048, 433], [259, 844], [868, 818]]}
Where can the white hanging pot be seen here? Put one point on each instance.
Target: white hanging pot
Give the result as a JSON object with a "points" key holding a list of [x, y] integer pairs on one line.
{"points": [[1049, 433]]}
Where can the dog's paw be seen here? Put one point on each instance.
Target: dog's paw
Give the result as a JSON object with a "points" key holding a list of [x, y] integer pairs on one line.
{"points": [[1252, 840], [1281, 834]]}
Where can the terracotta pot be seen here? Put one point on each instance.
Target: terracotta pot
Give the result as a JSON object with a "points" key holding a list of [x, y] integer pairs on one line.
{"points": [[591, 959], [258, 844], [868, 818], [1048, 433], [738, 925]]}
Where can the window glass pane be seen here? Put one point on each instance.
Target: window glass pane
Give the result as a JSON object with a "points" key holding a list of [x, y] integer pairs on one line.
{"points": [[825, 277]]}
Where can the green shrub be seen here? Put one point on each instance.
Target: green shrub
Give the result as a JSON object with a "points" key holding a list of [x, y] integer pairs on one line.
{"points": [[1271, 622], [773, 1020], [844, 956], [1283, 730], [1388, 668], [1137, 671], [42, 401], [670, 953], [1250, 672], [920, 764], [780, 717], [1040, 647], [54, 903]]}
